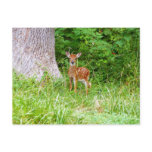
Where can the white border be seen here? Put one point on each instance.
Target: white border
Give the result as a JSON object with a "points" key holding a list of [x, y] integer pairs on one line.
{"points": [[68, 13]]}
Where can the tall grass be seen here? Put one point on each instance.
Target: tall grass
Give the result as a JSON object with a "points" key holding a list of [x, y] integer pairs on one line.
{"points": [[51, 102]]}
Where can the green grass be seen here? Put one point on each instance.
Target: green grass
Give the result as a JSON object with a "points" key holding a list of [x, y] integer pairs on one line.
{"points": [[53, 103]]}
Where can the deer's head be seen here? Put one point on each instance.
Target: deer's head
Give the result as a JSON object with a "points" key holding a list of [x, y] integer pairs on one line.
{"points": [[73, 58]]}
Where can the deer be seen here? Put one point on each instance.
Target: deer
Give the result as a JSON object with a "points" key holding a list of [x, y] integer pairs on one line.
{"points": [[77, 73]]}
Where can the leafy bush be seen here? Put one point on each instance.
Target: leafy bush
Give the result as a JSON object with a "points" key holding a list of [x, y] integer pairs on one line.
{"points": [[111, 54]]}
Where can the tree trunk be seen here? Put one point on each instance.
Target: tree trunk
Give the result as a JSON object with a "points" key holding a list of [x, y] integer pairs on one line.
{"points": [[34, 52]]}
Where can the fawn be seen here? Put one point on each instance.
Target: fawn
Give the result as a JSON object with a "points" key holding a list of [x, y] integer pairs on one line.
{"points": [[77, 73]]}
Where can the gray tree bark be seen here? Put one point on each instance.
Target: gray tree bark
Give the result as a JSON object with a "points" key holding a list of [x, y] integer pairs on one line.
{"points": [[34, 52]]}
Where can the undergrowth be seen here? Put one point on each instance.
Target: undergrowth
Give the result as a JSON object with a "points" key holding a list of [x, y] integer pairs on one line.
{"points": [[51, 102]]}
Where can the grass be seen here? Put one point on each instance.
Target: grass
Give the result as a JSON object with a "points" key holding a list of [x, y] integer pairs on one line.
{"points": [[53, 103]]}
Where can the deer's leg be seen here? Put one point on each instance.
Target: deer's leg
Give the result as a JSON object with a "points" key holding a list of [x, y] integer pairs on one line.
{"points": [[88, 83], [86, 86], [70, 83], [75, 85]]}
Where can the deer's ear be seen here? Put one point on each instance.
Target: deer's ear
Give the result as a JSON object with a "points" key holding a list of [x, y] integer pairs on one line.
{"points": [[68, 54], [78, 55]]}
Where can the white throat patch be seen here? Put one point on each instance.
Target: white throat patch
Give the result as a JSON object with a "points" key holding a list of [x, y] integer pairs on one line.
{"points": [[72, 64]]}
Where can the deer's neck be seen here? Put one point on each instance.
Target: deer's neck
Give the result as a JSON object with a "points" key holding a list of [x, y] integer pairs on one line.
{"points": [[72, 71], [74, 67]]}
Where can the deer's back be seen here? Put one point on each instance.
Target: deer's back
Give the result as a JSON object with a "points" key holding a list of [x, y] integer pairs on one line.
{"points": [[79, 72], [82, 73]]}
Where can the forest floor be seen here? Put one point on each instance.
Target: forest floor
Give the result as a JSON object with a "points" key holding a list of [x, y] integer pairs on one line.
{"points": [[53, 103]]}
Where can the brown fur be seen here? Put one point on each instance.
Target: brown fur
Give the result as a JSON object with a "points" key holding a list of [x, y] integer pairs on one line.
{"points": [[77, 73]]}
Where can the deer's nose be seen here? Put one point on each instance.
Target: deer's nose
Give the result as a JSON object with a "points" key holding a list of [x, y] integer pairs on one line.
{"points": [[72, 62]]}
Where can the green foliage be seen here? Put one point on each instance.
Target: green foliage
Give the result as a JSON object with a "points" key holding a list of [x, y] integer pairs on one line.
{"points": [[53, 103], [111, 54]]}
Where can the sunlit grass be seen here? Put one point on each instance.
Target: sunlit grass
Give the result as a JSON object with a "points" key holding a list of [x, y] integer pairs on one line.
{"points": [[53, 103]]}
